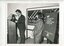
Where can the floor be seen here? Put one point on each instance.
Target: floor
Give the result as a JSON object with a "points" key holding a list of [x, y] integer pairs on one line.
{"points": [[31, 41]]}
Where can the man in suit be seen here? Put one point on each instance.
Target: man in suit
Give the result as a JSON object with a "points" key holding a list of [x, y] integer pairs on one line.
{"points": [[20, 22]]}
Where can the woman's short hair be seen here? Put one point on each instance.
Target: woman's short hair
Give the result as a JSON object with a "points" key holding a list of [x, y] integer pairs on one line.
{"points": [[39, 15]]}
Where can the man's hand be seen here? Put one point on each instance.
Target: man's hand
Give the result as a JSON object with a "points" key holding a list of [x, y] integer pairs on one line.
{"points": [[16, 21]]}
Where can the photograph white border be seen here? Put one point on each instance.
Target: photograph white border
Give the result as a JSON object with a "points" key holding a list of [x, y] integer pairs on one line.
{"points": [[4, 25]]}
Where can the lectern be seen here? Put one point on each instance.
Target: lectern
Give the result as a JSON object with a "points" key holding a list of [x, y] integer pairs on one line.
{"points": [[12, 33]]}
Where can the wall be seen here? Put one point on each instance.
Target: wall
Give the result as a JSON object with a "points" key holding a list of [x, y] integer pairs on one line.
{"points": [[23, 6]]}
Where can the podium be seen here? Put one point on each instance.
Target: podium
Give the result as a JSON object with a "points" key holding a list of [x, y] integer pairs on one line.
{"points": [[12, 33]]}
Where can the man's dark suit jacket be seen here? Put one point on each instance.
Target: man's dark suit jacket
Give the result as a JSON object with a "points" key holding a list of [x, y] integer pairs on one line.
{"points": [[21, 23]]}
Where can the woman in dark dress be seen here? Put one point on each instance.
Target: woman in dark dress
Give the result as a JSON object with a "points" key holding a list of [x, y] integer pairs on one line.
{"points": [[39, 26]]}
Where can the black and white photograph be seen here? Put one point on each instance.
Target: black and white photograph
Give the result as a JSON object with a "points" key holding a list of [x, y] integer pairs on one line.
{"points": [[33, 23]]}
